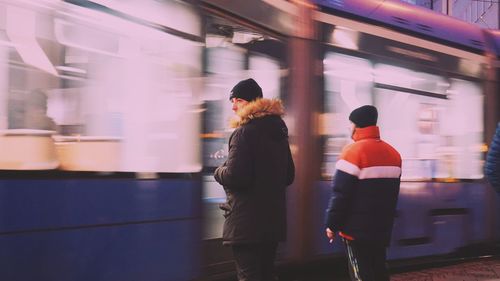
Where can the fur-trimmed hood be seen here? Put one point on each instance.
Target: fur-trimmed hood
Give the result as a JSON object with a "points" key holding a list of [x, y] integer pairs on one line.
{"points": [[257, 109]]}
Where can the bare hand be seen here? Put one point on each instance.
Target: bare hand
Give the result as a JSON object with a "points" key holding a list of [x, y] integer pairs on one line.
{"points": [[330, 234]]}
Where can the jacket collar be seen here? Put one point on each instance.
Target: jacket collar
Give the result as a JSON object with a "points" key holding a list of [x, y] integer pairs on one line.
{"points": [[257, 109], [371, 132]]}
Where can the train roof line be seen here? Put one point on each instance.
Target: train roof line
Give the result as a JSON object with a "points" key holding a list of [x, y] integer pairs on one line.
{"points": [[415, 19]]}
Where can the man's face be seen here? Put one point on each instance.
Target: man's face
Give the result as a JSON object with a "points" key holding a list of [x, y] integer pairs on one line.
{"points": [[352, 129], [238, 104]]}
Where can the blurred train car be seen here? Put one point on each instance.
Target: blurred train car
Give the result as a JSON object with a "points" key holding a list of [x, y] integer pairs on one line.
{"points": [[113, 116], [435, 82], [99, 144]]}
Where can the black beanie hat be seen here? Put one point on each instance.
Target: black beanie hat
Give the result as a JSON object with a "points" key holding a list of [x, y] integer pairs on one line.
{"points": [[248, 90], [364, 116]]}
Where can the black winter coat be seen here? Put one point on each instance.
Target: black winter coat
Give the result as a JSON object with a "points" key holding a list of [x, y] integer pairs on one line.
{"points": [[255, 176]]}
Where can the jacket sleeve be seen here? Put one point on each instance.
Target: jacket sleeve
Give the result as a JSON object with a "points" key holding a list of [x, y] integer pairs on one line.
{"points": [[290, 173], [492, 166], [344, 184], [237, 172]]}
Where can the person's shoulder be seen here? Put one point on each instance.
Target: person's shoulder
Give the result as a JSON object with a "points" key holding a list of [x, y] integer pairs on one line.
{"points": [[368, 147], [393, 152], [351, 150], [350, 147], [357, 147], [390, 146], [244, 131], [253, 126], [248, 128]]}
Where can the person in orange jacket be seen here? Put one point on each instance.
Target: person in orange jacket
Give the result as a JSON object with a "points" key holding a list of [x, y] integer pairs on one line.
{"points": [[365, 193]]}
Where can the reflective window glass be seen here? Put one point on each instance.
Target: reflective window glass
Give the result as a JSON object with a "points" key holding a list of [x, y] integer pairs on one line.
{"points": [[421, 114], [348, 85], [108, 92]]}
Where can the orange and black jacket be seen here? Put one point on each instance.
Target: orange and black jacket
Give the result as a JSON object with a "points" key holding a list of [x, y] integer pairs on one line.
{"points": [[365, 189]]}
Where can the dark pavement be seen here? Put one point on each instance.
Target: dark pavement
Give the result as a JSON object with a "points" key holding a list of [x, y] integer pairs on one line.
{"points": [[487, 269]]}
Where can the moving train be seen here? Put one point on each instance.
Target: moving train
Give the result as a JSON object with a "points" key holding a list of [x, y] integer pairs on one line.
{"points": [[113, 116]]}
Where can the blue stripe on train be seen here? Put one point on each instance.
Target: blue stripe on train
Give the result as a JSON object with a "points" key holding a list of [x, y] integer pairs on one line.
{"points": [[100, 229]]}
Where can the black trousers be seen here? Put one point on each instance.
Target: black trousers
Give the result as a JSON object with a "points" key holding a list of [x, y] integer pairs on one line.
{"points": [[366, 261], [255, 262]]}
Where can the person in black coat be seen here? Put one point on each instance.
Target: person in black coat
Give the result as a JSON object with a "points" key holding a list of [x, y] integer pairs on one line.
{"points": [[255, 176], [492, 166]]}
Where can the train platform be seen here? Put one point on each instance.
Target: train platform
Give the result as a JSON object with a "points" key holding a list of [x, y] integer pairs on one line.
{"points": [[464, 269], [483, 269], [477, 269], [471, 269]]}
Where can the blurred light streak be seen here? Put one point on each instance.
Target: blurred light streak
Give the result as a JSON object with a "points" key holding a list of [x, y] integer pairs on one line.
{"points": [[345, 37], [147, 176], [283, 5], [47, 4], [112, 23], [212, 135], [86, 36], [344, 70], [67, 77], [348, 94], [398, 6], [214, 41], [351, 74], [71, 69], [484, 148], [60, 34], [183, 19], [4, 39], [244, 37], [413, 188], [21, 25], [395, 75], [470, 67], [304, 3]]}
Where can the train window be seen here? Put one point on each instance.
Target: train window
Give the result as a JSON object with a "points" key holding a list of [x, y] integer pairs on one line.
{"points": [[409, 120], [139, 99], [268, 71], [464, 131], [26, 72], [348, 84], [421, 114], [425, 122], [123, 96]]}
